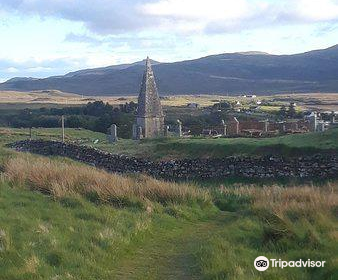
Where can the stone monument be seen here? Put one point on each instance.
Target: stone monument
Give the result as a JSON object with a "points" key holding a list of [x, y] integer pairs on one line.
{"points": [[333, 116], [166, 130], [224, 128], [236, 122], [179, 129], [112, 134], [313, 118], [150, 117], [266, 126]]}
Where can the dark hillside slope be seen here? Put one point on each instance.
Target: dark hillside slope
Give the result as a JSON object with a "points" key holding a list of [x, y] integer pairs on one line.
{"points": [[314, 71]]}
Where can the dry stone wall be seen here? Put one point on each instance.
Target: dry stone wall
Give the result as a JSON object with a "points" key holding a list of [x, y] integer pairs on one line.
{"points": [[315, 166]]}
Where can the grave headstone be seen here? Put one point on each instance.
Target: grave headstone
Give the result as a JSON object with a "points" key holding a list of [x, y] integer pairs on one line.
{"points": [[112, 135]]}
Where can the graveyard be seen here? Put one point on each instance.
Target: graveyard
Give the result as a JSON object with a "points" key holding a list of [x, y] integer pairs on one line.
{"points": [[180, 148]]}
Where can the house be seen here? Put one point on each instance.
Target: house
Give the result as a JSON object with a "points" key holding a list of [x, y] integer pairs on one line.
{"points": [[193, 105]]}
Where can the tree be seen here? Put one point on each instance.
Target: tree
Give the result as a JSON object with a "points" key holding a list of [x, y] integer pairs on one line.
{"points": [[283, 112], [292, 111]]}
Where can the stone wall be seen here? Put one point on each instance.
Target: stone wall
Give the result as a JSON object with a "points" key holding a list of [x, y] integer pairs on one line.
{"points": [[316, 166]]}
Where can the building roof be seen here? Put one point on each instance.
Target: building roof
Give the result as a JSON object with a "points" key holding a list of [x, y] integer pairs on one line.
{"points": [[149, 104]]}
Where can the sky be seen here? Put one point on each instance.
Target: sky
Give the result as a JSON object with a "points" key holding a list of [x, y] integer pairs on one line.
{"points": [[40, 38]]}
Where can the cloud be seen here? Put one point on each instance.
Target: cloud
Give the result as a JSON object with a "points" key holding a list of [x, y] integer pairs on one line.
{"points": [[41, 68], [100, 16], [135, 42], [325, 29], [224, 16], [316, 11], [178, 16], [11, 70], [53, 66], [200, 10], [82, 38]]}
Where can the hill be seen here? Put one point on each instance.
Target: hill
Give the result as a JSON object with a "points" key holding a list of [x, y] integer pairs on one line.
{"points": [[230, 73]]}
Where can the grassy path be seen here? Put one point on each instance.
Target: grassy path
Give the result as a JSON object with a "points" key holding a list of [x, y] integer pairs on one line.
{"points": [[169, 255]]}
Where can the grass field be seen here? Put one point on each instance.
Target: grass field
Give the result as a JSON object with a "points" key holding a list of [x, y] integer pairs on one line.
{"points": [[289, 145], [308, 101], [60, 219]]}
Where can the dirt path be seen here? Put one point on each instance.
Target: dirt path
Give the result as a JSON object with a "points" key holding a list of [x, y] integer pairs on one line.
{"points": [[169, 256]]}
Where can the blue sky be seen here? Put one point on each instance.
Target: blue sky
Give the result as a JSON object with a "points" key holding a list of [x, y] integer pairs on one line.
{"points": [[41, 38]]}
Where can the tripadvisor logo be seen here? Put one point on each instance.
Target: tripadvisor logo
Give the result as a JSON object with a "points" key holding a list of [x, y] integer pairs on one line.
{"points": [[262, 263]]}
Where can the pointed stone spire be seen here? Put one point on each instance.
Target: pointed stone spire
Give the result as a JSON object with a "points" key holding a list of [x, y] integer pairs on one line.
{"points": [[149, 104], [150, 115]]}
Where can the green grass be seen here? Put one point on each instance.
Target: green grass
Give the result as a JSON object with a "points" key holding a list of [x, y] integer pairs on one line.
{"points": [[42, 238], [286, 230], [170, 148], [80, 135], [284, 145], [74, 237], [289, 145]]}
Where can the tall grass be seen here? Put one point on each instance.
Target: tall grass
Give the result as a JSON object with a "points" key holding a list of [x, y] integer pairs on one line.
{"points": [[278, 222], [306, 198], [293, 213], [290, 223], [61, 179]]}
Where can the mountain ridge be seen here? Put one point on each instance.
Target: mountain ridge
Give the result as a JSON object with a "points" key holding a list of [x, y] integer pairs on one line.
{"points": [[226, 73]]}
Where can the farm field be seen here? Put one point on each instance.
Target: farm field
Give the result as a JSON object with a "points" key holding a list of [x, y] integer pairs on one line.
{"points": [[310, 101]]}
